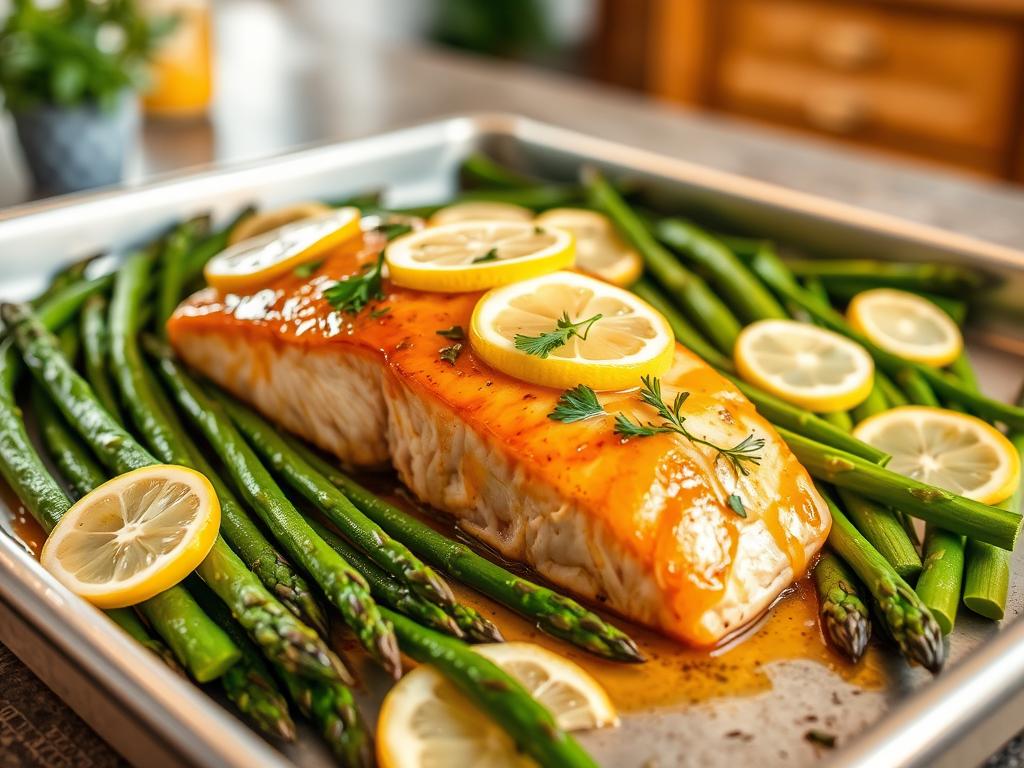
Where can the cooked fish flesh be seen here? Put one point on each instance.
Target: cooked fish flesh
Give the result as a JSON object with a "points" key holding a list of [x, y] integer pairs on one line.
{"points": [[641, 526]]}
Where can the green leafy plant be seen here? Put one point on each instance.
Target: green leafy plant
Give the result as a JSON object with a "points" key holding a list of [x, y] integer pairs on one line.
{"points": [[71, 52]]}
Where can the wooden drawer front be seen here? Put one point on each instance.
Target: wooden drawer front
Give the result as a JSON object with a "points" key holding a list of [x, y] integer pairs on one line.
{"points": [[869, 72]]}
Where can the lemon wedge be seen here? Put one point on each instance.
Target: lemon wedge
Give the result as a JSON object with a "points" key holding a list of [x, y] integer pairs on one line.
{"points": [[630, 339], [805, 365], [259, 223], [426, 722], [475, 255], [483, 210], [907, 325], [134, 536], [599, 249], [253, 262], [950, 450]]}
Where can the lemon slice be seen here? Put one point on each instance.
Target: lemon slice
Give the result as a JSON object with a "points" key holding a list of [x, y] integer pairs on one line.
{"points": [[631, 339], [264, 222], [809, 366], [475, 255], [599, 249], [425, 722], [950, 450], [480, 211], [134, 536], [253, 262], [906, 325]]}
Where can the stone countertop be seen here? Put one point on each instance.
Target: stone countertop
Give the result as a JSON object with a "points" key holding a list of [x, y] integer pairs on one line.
{"points": [[284, 85]]}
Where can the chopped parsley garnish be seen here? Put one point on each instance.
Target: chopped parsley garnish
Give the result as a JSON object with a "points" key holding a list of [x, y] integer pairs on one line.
{"points": [[355, 292], [307, 269], [379, 312], [547, 342], [576, 404], [455, 333], [450, 354], [491, 255]]}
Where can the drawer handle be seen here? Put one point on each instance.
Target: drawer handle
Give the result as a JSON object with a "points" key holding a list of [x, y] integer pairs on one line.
{"points": [[849, 46], [840, 112]]}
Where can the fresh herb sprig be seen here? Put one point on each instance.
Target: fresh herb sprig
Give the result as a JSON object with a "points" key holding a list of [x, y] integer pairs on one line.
{"points": [[455, 333], [491, 255], [747, 450], [576, 404], [450, 354], [355, 292], [547, 342]]}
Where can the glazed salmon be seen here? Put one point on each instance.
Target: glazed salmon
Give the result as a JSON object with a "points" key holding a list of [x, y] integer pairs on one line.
{"points": [[643, 526]]}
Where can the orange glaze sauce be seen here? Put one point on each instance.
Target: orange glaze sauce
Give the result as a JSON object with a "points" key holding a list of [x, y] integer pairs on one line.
{"points": [[669, 509], [16, 520]]}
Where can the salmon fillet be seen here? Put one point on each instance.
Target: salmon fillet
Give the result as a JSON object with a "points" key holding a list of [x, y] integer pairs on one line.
{"points": [[642, 526]]}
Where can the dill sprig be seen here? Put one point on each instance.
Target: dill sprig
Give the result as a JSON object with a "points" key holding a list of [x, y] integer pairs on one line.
{"points": [[355, 292], [547, 342], [747, 450], [576, 404]]}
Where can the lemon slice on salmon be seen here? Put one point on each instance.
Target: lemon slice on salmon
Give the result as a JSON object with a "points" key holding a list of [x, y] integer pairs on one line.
{"points": [[564, 329], [134, 536], [907, 325], [950, 450], [426, 722], [253, 262], [476, 255], [259, 223], [483, 210], [805, 365], [599, 249]]}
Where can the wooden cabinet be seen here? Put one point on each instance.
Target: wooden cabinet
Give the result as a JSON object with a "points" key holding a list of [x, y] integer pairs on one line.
{"points": [[942, 80]]}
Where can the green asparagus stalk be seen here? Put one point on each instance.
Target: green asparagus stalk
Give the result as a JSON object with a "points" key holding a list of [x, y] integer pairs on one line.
{"points": [[481, 170], [903, 614], [552, 613], [96, 345], [934, 505], [770, 269], [777, 411], [844, 616], [64, 278], [884, 529], [249, 685], [155, 417], [277, 632], [947, 279], [495, 693], [172, 266], [839, 419], [963, 370], [915, 387], [875, 404], [893, 395], [344, 586], [393, 557], [126, 619], [386, 590], [704, 308], [74, 462], [538, 198], [746, 295], [942, 577], [207, 248], [197, 643]]}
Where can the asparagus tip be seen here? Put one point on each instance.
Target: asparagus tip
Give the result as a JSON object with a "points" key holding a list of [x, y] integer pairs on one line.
{"points": [[849, 633]]}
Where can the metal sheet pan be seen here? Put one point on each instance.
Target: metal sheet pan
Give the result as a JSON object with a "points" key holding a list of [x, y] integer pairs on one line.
{"points": [[154, 718]]}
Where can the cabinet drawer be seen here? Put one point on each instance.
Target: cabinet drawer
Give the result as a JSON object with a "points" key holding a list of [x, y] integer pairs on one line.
{"points": [[870, 72]]}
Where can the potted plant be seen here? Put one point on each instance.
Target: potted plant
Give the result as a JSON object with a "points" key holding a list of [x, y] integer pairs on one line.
{"points": [[69, 70]]}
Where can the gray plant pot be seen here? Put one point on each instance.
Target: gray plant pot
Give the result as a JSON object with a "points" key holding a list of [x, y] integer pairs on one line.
{"points": [[74, 148]]}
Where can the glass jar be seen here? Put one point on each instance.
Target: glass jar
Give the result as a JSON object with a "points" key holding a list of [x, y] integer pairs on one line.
{"points": [[181, 70]]}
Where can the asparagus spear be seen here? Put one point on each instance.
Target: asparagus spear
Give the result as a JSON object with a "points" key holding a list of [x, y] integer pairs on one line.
{"points": [[126, 619], [64, 278], [388, 554], [155, 418], [249, 685], [935, 505], [903, 614], [552, 613], [844, 617], [482, 170], [172, 266], [777, 411], [344, 586], [495, 692], [207, 248], [884, 529], [277, 632], [746, 294], [839, 419], [949, 279], [770, 269], [539, 198], [690, 291], [942, 577], [96, 344], [387, 591]]}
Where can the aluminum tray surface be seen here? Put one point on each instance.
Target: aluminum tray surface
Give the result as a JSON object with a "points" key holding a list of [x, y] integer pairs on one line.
{"points": [[905, 720]]}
